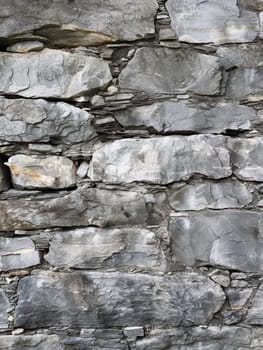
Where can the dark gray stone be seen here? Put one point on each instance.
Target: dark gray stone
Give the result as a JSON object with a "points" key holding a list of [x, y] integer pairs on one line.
{"points": [[113, 299], [255, 312], [4, 306], [24, 120], [230, 239], [51, 74], [162, 70], [79, 23], [161, 160]]}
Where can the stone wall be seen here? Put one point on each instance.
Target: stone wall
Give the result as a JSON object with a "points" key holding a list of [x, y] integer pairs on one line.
{"points": [[131, 175]]}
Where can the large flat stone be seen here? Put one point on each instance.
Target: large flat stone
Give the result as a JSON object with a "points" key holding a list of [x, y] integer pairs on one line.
{"points": [[213, 195], [32, 172], [4, 306], [255, 312], [231, 239], [79, 23], [4, 177], [17, 253], [25, 120], [51, 74], [182, 116], [95, 248], [246, 157], [219, 22], [112, 299], [161, 160], [162, 70], [25, 342], [82, 207]]}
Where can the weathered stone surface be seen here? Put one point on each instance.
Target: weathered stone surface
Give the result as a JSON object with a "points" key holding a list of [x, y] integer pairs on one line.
{"points": [[245, 82], [231, 239], [161, 160], [4, 177], [17, 253], [255, 312], [82, 207], [24, 120], [79, 23], [182, 116], [197, 21], [33, 172], [113, 299], [246, 157], [25, 342], [4, 305], [157, 70], [26, 46], [221, 195], [256, 5], [96, 248], [51, 74]]}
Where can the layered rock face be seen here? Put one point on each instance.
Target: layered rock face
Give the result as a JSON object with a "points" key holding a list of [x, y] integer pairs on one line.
{"points": [[131, 175]]}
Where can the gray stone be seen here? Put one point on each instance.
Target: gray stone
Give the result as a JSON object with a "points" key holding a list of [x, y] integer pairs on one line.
{"points": [[162, 70], [133, 332], [213, 195], [221, 277], [161, 160], [256, 5], [238, 276], [239, 284], [4, 306], [219, 22], [231, 239], [17, 253], [183, 116], [4, 177], [238, 299], [26, 46], [24, 120], [51, 74], [79, 23], [83, 169], [82, 207], [25, 342], [245, 82], [111, 299], [255, 312], [95, 248], [246, 157], [32, 172]]}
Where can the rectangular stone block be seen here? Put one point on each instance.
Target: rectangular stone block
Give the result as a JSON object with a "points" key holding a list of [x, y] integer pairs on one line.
{"points": [[28, 342], [105, 300], [4, 306]]}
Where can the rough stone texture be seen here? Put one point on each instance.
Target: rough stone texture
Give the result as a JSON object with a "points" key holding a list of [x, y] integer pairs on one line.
{"points": [[246, 158], [219, 22], [81, 22], [4, 305], [24, 120], [231, 239], [225, 194], [82, 207], [26, 46], [95, 248], [255, 312], [25, 342], [17, 253], [51, 74], [112, 299], [161, 160], [50, 172], [4, 177], [182, 116], [157, 70]]}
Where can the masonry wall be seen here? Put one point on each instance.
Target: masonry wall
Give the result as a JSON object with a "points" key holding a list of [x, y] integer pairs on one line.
{"points": [[131, 175]]}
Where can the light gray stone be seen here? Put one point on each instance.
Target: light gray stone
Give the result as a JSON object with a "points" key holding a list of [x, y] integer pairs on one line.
{"points": [[161, 160], [32, 172], [213, 195], [25, 342], [4, 306], [246, 157], [26, 46], [25, 120], [221, 277], [79, 23], [17, 253], [51, 74], [82, 207], [83, 169], [162, 70], [231, 239], [238, 298], [183, 116], [112, 299], [255, 312], [219, 22], [95, 248]]}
